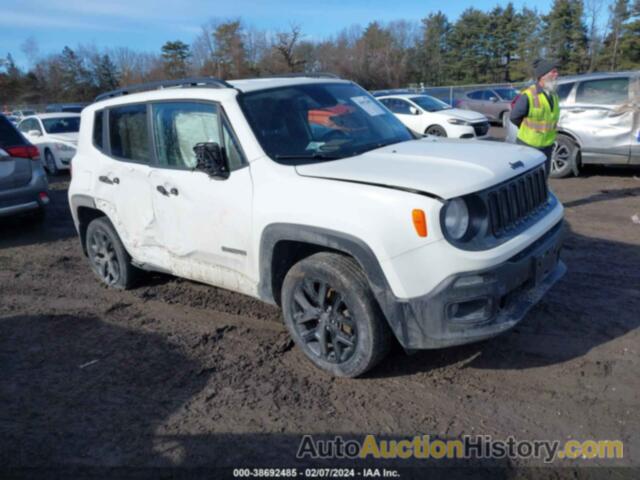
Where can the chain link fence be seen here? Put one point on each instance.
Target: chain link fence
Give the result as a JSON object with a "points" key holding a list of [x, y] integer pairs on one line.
{"points": [[451, 93]]}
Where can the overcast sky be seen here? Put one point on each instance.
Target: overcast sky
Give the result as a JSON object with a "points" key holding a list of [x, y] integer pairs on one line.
{"points": [[146, 24]]}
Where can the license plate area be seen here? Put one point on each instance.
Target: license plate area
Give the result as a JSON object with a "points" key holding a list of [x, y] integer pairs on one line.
{"points": [[545, 263]]}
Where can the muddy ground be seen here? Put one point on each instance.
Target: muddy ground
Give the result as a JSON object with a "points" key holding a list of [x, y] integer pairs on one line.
{"points": [[175, 373]]}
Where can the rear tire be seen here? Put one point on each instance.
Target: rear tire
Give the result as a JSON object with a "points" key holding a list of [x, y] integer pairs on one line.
{"points": [[564, 157], [107, 256], [436, 131], [50, 163], [333, 316]]}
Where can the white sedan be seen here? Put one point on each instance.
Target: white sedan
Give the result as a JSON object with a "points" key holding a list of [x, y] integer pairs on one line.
{"points": [[55, 135], [427, 115]]}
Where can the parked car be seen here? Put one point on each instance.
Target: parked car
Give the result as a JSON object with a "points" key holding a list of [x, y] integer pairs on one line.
{"points": [[65, 107], [598, 122], [55, 135], [13, 119], [495, 103], [428, 115], [357, 229], [23, 182], [20, 114]]}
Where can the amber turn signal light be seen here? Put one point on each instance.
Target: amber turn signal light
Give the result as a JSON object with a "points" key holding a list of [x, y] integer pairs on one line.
{"points": [[420, 222]]}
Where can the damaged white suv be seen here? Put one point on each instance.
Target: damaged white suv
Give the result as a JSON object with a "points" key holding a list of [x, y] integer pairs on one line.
{"points": [[308, 193]]}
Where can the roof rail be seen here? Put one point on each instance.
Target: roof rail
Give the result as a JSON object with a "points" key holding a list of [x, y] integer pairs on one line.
{"points": [[293, 75], [209, 82]]}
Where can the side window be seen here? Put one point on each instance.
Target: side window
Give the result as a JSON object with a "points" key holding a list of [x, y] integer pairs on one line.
{"points": [[178, 127], [231, 148], [128, 132], [37, 125], [475, 95], [24, 126], [608, 91], [98, 130], [488, 94], [400, 106], [564, 90]]}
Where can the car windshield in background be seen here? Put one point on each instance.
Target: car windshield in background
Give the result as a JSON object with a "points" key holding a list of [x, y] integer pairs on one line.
{"points": [[62, 125], [318, 122], [430, 104], [507, 93]]}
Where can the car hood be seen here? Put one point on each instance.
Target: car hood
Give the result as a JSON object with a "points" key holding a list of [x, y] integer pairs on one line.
{"points": [[445, 168], [71, 137], [467, 115]]}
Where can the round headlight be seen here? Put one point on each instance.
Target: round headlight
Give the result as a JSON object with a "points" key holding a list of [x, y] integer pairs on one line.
{"points": [[456, 218]]}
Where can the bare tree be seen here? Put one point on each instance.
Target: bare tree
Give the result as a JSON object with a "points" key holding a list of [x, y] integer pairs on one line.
{"points": [[286, 43]]}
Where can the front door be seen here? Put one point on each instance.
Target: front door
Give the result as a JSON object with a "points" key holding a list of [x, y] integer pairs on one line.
{"points": [[202, 223]]}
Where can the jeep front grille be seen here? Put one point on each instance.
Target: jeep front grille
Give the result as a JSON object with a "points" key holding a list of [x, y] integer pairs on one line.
{"points": [[513, 202]]}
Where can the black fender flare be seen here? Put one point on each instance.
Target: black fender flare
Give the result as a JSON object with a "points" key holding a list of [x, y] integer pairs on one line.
{"points": [[337, 241]]}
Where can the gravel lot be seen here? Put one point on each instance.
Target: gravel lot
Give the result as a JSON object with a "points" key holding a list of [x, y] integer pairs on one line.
{"points": [[175, 373]]}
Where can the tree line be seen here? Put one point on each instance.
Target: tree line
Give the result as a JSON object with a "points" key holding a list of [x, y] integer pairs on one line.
{"points": [[492, 46]]}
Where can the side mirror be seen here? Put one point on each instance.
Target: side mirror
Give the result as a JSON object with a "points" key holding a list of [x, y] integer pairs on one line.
{"points": [[34, 133], [414, 110], [211, 160]]}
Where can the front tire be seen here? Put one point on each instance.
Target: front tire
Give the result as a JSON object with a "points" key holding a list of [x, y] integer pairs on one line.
{"points": [[107, 256], [333, 316], [50, 163], [436, 131], [564, 157]]}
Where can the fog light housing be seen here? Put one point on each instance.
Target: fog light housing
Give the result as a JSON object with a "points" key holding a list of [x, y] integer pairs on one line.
{"points": [[477, 310]]}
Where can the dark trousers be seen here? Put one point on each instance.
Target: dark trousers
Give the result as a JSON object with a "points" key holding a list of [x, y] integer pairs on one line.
{"points": [[547, 153]]}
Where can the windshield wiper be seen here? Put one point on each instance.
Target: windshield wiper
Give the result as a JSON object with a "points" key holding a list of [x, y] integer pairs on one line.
{"points": [[310, 156], [372, 146]]}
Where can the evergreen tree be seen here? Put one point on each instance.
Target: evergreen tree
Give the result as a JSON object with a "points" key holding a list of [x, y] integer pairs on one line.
{"points": [[434, 48], [106, 74], [619, 15], [469, 41], [630, 39], [175, 56], [74, 77], [229, 53], [566, 35]]}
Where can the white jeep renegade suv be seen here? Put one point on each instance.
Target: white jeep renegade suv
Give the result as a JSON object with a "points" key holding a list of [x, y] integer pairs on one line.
{"points": [[308, 193]]}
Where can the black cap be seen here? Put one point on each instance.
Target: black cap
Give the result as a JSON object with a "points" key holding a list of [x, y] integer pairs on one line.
{"points": [[542, 66]]}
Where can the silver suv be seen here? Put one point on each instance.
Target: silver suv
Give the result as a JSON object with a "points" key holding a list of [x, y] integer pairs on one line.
{"points": [[599, 122]]}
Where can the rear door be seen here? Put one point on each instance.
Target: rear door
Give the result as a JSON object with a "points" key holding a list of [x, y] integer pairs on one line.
{"points": [[15, 171], [602, 117], [122, 179], [203, 224]]}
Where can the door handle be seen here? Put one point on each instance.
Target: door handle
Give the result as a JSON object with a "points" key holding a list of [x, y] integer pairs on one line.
{"points": [[108, 181], [576, 110], [162, 190]]}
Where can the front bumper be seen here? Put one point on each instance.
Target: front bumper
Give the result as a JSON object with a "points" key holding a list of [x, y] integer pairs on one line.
{"points": [[473, 306]]}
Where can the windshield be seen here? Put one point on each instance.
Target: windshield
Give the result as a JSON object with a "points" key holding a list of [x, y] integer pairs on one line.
{"points": [[430, 104], [320, 122], [506, 93], [62, 125]]}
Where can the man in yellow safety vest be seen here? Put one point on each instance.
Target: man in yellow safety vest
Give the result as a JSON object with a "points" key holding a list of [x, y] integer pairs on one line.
{"points": [[537, 111]]}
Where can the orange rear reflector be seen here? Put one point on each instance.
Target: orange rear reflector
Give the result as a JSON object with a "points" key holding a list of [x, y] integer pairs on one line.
{"points": [[420, 222]]}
